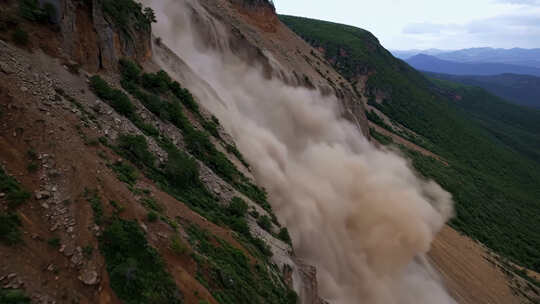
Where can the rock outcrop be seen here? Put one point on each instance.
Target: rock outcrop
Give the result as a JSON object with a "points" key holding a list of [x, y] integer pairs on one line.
{"points": [[94, 40]]}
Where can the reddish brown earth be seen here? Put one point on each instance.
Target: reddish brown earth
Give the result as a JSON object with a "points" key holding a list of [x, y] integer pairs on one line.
{"points": [[470, 271], [56, 129]]}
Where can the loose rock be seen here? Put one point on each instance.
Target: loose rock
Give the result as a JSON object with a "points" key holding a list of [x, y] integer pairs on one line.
{"points": [[89, 277], [42, 195]]}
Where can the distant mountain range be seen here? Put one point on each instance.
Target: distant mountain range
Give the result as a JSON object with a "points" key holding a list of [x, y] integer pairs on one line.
{"points": [[519, 89], [434, 64], [410, 53], [515, 56]]}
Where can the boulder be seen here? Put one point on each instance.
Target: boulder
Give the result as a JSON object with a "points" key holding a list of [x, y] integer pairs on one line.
{"points": [[89, 277]]}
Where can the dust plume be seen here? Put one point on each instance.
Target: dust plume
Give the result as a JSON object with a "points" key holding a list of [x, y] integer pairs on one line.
{"points": [[358, 213]]}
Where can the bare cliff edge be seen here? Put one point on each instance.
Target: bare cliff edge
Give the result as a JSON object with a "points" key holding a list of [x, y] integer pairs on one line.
{"points": [[259, 37], [97, 40], [81, 173]]}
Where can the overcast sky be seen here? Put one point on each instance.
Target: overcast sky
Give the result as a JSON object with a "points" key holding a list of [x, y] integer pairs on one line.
{"points": [[422, 24]]}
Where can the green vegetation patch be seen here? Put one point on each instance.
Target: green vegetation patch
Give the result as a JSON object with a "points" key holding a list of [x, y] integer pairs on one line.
{"points": [[128, 15], [381, 138], [14, 296], [96, 204], [15, 194], [229, 276], [136, 271], [9, 229], [33, 11], [116, 98], [165, 97]]}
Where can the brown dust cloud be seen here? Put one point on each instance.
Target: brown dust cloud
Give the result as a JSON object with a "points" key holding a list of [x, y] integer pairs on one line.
{"points": [[356, 212]]}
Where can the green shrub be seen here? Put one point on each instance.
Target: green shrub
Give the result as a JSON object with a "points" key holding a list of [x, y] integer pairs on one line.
{"points": [[152, 216], [211, 127], [150, 15], [15, 195], [238, 207], [184, 96], [182, 171], [233, 279], [20, 36], [14, 296], [177, 117], [135, 148], [178, 246], [126, 14], [264, 222], [130, 71], [381, 138], [54, 242], [232, 149], [284, 235], [137, 273], [9, 228], [95, 203], [198, 143], [125, 173], [151, 203], [157, 83], [117, 207], [116, 98]]}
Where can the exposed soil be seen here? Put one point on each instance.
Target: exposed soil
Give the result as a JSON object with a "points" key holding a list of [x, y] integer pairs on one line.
{"points": [[70, 161], [472, 274]]}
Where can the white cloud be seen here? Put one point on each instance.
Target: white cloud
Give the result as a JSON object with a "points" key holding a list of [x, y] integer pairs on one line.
{"points": [[408, 24], [520, 29], [520, 2]]}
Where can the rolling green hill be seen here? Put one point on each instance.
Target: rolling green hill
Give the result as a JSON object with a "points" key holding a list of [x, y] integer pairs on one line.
{"points": [[490, 145]]}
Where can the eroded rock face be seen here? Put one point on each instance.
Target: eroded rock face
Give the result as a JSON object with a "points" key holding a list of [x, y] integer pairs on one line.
{"points": [[309, 293], [93, 40]]}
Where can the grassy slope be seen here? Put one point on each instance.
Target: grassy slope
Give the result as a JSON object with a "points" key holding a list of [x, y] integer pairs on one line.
{"points": [[494, 180]]}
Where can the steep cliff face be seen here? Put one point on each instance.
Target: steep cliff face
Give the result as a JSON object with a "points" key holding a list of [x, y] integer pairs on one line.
{"points": [[255, 33], [96, 34]]}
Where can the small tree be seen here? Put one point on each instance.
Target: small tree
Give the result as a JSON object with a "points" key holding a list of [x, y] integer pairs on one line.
{"points": [[150, 15], [265, 222]]}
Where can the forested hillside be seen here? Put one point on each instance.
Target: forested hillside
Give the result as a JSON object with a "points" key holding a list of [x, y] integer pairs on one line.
{"points": [[519, 89], [493, 170]]}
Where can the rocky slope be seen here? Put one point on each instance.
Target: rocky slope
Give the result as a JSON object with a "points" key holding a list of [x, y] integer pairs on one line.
{"points": [[60, 150], [61, 146], [117, 184]]}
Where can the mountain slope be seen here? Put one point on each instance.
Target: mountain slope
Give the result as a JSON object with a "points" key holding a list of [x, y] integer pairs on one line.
{"points": [[494, 185], [520, 89], [516, 56], [116, 186], [434, 64]]}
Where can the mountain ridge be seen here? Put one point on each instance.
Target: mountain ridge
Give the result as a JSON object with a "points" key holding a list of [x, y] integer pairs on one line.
{"points": [[520, 89], [434, 64], [516, 56]]}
